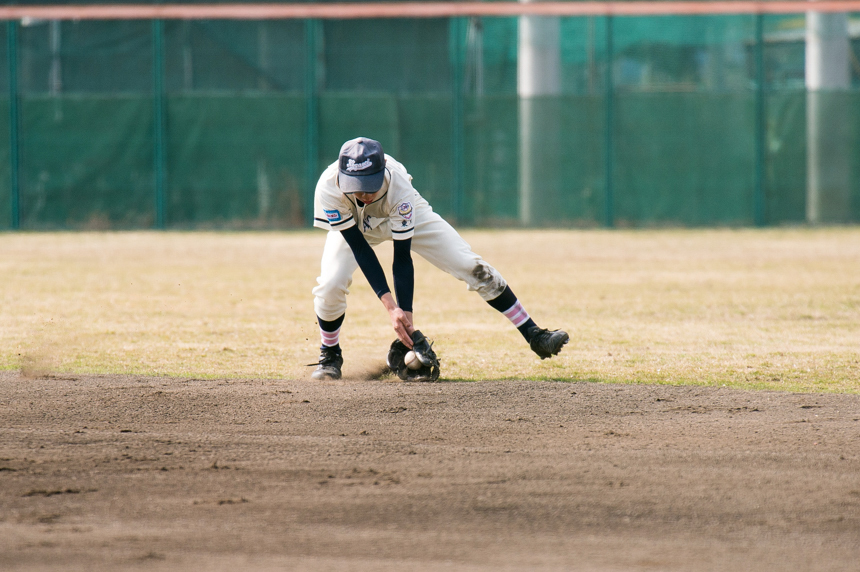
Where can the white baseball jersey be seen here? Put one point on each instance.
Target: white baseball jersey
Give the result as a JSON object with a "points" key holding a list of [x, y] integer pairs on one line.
{"points": [[399, 213], [394, 204]]}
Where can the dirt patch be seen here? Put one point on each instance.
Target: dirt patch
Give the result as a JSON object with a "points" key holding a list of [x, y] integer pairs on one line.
{"points": [[113, 472]]}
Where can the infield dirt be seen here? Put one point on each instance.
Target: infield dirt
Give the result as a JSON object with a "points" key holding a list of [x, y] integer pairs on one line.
{"points": [[149, 473]]}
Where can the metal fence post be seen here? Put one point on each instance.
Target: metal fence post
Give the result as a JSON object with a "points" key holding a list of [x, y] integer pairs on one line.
{"points": [[455, 49], [14, 124], [609, 212], [160, 123], [760, 124], [312, 115]]}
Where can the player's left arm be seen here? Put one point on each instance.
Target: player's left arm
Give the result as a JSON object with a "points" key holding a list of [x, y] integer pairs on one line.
{"points": [[369, 264], [401, 220], [404, 276]]}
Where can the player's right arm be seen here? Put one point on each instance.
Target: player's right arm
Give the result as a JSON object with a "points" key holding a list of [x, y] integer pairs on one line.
{"points": [[401, 321]]}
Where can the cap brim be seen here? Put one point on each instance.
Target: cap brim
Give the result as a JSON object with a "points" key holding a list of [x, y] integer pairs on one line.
{"points": [[361, 184]]}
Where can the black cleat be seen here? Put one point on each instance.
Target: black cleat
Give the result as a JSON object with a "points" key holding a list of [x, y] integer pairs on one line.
{"points": [[547, 343], [329, 365]]}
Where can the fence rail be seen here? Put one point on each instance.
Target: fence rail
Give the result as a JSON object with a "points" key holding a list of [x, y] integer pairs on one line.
{"points": [[360, 10]]}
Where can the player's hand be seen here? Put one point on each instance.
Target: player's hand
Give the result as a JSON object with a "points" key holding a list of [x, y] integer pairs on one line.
{"points": [[401, 321], [402, 326]]}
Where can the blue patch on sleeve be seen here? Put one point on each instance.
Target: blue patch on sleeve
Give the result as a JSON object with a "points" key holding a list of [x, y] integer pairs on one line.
{"points": [[332, 216]]}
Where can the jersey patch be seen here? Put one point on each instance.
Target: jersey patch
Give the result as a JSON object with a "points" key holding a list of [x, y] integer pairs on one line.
{"points": [[332, 216], [405, 210]]}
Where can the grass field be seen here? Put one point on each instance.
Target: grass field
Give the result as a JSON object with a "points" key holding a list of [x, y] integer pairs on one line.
{"points": [[775, 309]]}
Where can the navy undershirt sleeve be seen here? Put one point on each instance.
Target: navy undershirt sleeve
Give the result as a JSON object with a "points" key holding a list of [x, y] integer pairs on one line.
{"points": [[404, 273], [367, 260]]}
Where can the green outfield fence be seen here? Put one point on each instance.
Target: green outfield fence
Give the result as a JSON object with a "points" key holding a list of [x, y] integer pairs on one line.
{"points": [[227, 123]]}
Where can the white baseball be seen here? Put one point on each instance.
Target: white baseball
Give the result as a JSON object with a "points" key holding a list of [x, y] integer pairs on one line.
{"points": [[411, 360]]}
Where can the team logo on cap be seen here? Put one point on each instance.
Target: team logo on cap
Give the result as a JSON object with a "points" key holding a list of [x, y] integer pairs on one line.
{"points": [[405, 210], [332, 216], [351, 165]]}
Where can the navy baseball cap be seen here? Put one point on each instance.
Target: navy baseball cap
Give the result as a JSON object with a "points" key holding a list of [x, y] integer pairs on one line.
{"points": [[362, 166]]}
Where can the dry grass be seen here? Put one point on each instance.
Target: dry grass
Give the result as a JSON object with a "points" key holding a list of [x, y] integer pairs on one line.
{"points": [[777, 309]]}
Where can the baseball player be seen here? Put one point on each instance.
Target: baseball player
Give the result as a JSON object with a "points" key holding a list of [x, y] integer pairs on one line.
{"points": [[365, 198]]}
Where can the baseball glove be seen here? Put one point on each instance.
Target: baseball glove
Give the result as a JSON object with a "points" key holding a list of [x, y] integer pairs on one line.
{"points": [[429, 370]]}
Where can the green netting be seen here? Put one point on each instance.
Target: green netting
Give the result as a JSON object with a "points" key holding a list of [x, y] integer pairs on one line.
{"points": [[394, 56], [223, 55], [786, 157], [424, 143], [566, 177], [60, 57], [86, 162], [5, 171], [254, 110], [491, 159], [700, 169], [235, 160], [6, 219]]}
